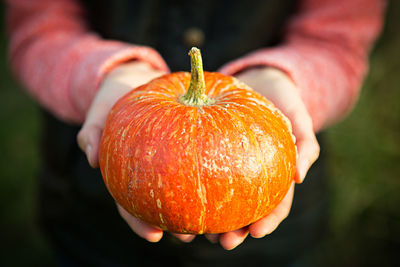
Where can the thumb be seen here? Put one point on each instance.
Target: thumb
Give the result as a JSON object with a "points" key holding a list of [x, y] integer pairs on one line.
{"points": [[117, 83], [307, 145], [89, 140], [90, 134]]}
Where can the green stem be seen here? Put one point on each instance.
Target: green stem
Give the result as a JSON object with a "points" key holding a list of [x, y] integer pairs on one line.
{"points": [[195, 95]]}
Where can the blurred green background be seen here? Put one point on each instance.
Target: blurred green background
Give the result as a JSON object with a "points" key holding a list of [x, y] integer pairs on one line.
{"points": [[363, 151]]}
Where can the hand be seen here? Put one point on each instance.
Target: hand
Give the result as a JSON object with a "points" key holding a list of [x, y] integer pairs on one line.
{"points": [[277, 87], [117, 83], [280, 90]]}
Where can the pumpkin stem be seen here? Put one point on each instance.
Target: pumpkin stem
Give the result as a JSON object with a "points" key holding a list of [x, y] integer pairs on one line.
{"points": [[195, 95]]}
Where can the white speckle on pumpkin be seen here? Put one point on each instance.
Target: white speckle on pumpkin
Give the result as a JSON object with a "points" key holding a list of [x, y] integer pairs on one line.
{"points": [[159, 181], [161, 218], [158, 203]]}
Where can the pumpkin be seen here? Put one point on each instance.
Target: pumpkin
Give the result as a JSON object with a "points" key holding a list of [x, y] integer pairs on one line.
{"points": [[208, 159]]}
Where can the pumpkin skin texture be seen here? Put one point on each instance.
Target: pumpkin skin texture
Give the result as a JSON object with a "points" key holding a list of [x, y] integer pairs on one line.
{"points": [[197, 169]]}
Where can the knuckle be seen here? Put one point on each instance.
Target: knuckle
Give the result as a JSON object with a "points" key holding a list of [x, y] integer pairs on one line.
{"points": [[81, 138], [81, 135]]}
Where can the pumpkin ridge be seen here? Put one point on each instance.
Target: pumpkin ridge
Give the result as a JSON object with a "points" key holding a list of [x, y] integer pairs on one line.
{"points": [[141, 122], [152, 94], [162, 194], [110, 154], [202, 193], [202, 168], [215, 118], [184, 80], [230, 92], [260, 158], [211, 83], [206, 117], [281, 122], [174, 83], [149, 123], [216, 90]]}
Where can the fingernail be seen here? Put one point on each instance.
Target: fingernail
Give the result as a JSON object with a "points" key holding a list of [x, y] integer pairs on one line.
{"points": [[89, 153], [184, 238], [303, 171], [261, 234], [187, 239]]}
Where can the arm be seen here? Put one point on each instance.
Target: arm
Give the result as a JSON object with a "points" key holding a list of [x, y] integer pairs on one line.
{"points": [[74, 73], [325, 53], [314, 77], [57, 58]]}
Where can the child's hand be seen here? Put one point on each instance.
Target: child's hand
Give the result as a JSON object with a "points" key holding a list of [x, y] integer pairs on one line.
{"points": [[117, 83], [273, 84], [146, 231], [278, 88]]}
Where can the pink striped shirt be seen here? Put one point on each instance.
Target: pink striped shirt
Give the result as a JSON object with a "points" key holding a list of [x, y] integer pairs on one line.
{"points": [[61, 62]]}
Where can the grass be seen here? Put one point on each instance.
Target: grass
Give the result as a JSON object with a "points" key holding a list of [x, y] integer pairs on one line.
{"points": [[364, 159]]}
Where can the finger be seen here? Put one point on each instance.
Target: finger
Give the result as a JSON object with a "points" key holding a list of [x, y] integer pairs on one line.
{"points": [[90, 134], [88, 140], [306, 142], [142, 229], [117, 83], [231, 240], [308, 152], [269, 223], [184, 237], [213, 238]]}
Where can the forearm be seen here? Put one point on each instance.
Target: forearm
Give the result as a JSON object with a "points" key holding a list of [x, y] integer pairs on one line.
{"points": [[57, 58], [325, 53]]}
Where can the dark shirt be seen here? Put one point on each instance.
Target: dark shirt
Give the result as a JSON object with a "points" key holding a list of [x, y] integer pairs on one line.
{"points": [[78, 214]]}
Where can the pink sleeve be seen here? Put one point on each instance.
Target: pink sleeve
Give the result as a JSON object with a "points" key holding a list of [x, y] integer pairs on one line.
{"points": [[59, 60], [325, 52]]}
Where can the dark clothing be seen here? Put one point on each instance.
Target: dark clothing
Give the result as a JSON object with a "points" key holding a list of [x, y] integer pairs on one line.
{"points": [[78, 214], [232, 28]]}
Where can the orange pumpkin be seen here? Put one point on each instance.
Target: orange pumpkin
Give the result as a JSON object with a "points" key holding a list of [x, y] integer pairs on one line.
{"points": [[208, 159]]}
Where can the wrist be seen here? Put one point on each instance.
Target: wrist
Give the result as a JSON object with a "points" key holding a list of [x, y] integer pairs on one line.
{"points": [[265, 73], [127, 68], [269, 82], [131, 74]]}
